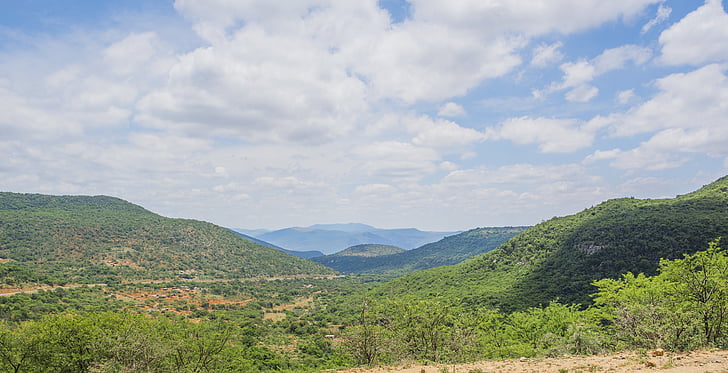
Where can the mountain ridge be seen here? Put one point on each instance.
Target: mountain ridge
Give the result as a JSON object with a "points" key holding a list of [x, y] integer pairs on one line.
{"points": [[561, 257], [92, 239], [449, 250], [331, 238]]}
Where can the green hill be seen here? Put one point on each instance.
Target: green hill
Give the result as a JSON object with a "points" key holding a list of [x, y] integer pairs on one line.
{"points": [[80, 239], [560, 258], [370, 250], [449, 250]]}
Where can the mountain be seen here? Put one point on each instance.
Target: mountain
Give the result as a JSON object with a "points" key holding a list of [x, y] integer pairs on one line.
{"points": [[449, 250], [331, 238], [560, 258], [82, 239], [348, 227], [300, 254], [369, 251]]}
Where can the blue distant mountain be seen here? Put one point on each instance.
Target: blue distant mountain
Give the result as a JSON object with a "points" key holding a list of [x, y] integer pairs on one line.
{"points": [[331, 238], [300, 254]]}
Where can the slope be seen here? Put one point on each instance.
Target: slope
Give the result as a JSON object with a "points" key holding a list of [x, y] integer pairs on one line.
{"points": [[450, 250], [370, 250], [64, 239], [560, 258]]}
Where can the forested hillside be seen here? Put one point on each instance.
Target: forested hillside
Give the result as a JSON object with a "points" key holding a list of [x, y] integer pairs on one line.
{"points": [[370, 250], [560, 258], [450, 250], [67, 239]]}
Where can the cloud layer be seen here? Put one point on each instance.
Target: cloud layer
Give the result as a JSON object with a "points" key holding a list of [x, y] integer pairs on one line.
{"points": [[457, 114]]}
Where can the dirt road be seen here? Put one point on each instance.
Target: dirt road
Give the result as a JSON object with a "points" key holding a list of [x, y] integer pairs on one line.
{"points": [[708, 361]]}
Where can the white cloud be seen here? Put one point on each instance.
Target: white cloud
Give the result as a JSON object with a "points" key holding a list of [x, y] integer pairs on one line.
{"points": [[396, 160], [624, 97], [700, 37], [547, 54], [552, 135], [418, 61], [258, 87], [442, 133], [686, 116], [578, 75], [697, 99], [582, 93], [380, 189], [663, 13], [533, 18], [451, 109], [616, 58], [135, 52]]}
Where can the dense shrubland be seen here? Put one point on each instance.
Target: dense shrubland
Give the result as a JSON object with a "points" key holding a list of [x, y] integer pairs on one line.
{"points": [[56, 240], [683, 306]]}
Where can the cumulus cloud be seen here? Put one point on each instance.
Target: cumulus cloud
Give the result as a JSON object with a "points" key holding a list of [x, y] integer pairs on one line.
{"points": [[551, 135], [258, 87], [697, 99], [442, 133], [700, 37], [231, 119], [578, 75], [451, 109], [686, 116]]}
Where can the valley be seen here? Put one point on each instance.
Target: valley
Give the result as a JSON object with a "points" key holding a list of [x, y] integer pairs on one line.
{"points": [[614, 277]]}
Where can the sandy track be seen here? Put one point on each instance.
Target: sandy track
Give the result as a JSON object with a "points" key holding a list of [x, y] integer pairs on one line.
{"points": [[707, 361]]}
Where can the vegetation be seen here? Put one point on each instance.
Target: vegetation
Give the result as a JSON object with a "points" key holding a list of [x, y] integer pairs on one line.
{"points": [[228, 327], [560, 258], [450, 250], [370, 250], [683, 307], [213, 317], [67, 239]]}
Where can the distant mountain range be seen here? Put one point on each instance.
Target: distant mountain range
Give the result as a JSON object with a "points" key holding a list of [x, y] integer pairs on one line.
{"points": [[560, 258], [332, 238], [447, 251], [300, 254], [83, 239]]}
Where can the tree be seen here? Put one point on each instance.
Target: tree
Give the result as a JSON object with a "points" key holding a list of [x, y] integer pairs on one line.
{"points": [[701, 281], [365, 342], [688, 298]]}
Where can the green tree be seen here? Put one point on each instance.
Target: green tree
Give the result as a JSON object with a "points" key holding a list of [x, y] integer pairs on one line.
{"points": [[366, 341], [683, 307], [700, 280]]}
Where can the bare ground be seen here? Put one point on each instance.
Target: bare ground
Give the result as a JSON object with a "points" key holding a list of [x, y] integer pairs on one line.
{"points": [[705, 361]]}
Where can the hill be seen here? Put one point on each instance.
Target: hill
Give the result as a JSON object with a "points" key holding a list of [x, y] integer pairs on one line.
{"points": [[370, 251], [449, 250], [332, 238], [300, 254], [561, 257], [81, 239]]}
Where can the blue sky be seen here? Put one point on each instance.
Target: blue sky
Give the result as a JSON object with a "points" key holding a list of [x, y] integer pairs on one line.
{"points": [[423, 113]]}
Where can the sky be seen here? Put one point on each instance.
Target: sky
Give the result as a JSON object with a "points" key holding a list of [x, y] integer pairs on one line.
{"points": [[438, 115]]}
